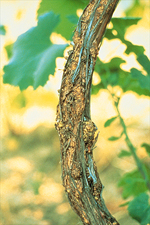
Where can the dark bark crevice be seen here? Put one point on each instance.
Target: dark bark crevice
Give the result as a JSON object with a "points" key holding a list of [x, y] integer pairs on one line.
{"points": [[78, 133]]}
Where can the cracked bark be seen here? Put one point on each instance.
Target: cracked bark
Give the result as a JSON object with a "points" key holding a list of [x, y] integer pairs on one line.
{"points": [[77, 132]]}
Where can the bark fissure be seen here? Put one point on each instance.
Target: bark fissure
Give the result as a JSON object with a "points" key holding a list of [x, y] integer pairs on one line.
{"points": [[78, 133]]}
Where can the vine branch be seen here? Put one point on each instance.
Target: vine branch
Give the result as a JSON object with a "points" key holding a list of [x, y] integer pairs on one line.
{"points": [[77, 132]]}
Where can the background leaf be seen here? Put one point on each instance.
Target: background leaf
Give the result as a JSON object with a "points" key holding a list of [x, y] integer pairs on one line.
{"points": [[112, 74], [144, 81], [137, 49], [136, 9], [133, 184], [108, 122], [34, 55], [146, 217], [114, 138], [2, 30], [64, 8], [120, 25], [124, 153], [147, 147], [139, 209], [9, 50], [144, 61], [73, 18], [96, 88]]}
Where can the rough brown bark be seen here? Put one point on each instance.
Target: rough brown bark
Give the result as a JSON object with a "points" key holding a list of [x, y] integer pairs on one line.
{"points": [[78, 133]]}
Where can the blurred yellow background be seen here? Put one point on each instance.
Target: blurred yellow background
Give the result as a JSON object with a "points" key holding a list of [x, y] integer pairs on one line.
{"points": [[31, 190]]}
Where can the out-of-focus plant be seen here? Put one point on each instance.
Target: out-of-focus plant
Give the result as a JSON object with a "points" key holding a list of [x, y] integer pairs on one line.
{"points": [[137, 182], [32, 60]]}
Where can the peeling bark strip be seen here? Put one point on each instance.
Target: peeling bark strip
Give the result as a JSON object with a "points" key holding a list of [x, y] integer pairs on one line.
{"points": [[78, 133]]}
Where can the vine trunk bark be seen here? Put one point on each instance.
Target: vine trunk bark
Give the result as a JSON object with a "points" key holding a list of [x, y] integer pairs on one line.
{"points": [[77, 132]]}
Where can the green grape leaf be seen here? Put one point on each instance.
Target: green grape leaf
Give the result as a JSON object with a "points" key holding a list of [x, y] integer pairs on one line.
{"points": [[133, 184], [111, 74], [100, 66], [2, 30], [9, 50], [113, 78], [130, 84], [136, 80], [124, 204], [120, 26], [73, 18], [114, 138], [146, 217], [144, 81], [34, 55], [124, 153], [114, 64], [96, 88], [108, 122], [137, 49], [109, 71], [147, 147], [139, 209], [144, 61], [64, 8]]}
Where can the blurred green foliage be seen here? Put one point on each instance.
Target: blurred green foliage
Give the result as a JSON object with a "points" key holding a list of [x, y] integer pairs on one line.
{"points": [[65, 9], [9, 50], [112, 74], [133, 184], [2, 30], [147, 147], [34, 55], [120, 26], [139, 209], [32, 59], [124, 153], [136, 9]]}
